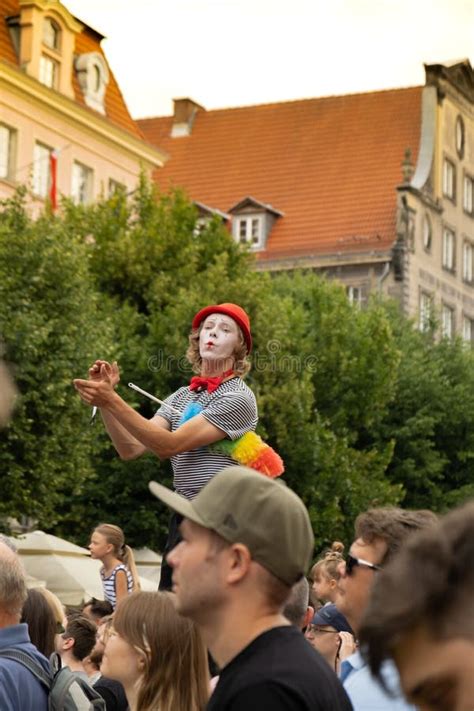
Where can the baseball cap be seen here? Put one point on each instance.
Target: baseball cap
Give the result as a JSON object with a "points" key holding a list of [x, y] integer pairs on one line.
{"points": [[244, 506], [330, 615], [234, 311]]}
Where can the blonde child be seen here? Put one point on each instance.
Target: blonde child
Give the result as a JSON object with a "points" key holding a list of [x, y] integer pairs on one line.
{"points": [[118, 573], [325, 574]]}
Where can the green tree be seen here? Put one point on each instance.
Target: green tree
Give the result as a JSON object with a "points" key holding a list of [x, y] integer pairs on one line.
{"points": [[364, 409], [51, 319]]}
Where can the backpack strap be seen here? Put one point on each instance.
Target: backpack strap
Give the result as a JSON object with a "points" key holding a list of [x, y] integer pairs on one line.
{"points": [[29, 663]]}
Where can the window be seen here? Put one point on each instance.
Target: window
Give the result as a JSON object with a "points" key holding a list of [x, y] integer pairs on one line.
{"points": [[467, 262], [460, 133], [115, 187], [468, 195], [81, 188], [41, 170], [467, 329], [355, 295], [449, 179], [427, 233], [426, 311], [447, 321], [448, 249], [249, 230], [48, 72], [7, 150], [51, 33]]}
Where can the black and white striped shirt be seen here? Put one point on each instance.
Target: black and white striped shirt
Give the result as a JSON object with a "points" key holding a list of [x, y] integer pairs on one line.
{"points": [[232, 408], [108, 583]]}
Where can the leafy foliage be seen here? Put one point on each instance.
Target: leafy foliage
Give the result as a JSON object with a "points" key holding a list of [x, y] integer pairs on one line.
{"points": [[364, 409]]}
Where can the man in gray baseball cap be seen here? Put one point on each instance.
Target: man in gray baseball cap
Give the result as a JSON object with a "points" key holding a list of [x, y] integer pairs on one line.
{"points": [[246, 540]]}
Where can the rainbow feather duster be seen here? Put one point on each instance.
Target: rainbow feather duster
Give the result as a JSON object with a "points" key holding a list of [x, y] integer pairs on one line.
{"points": [[249, 450]]}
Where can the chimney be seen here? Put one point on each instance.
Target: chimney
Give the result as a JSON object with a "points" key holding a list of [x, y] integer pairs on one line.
{"points": [[185, 111]]}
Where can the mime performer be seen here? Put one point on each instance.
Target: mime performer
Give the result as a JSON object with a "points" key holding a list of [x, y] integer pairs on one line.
{"points": [[216, 405]]}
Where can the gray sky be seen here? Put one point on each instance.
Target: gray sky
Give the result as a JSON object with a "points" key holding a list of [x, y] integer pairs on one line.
{"points": [[225, 53]]}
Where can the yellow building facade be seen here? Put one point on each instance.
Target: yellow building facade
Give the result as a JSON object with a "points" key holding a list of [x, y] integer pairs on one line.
{"points": [[64, 126]]}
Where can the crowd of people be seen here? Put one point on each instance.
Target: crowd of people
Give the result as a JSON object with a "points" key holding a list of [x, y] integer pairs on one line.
{"points": [[242, 628], [237, 625]]}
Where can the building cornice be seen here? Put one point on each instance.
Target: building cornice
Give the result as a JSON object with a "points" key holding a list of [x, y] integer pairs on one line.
{"points": [[324, 261], [34, 91]]}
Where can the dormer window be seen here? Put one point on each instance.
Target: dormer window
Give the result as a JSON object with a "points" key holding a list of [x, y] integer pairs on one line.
{"points": [[205, 216], [51, 34], [252, 222], [249, 230], [93, 75]]}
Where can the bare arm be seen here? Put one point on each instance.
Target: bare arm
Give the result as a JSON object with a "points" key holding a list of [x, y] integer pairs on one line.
{"points": [[127, 446], [121, 587], [194, 433]]}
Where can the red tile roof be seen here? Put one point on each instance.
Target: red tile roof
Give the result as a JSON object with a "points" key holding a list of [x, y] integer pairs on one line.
{"points": [[330, 165], [86, 41]]}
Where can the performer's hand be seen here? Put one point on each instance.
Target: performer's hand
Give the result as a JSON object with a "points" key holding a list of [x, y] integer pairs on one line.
{"points": [[101, 370], [98, 390]]}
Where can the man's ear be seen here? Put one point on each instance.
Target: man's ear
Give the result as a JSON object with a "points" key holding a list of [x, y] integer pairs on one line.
{"points": [[239, 562], [68, 643]]}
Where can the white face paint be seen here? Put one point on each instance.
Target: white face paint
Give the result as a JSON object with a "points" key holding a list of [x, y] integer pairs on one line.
{"points": [[218, 340]]}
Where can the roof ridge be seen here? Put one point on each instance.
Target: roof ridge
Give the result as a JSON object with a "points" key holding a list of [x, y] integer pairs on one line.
{"points": [[291, 101]]}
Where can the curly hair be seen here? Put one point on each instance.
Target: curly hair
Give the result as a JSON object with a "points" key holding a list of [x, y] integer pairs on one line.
{"points": [[241, 361]]}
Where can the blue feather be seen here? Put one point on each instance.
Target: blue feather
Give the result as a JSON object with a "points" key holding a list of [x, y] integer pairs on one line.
{"points": [[191, 410]]}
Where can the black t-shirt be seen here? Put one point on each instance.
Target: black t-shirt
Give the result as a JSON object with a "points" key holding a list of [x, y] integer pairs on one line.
{"points": [[279, 671], [113, 694]]}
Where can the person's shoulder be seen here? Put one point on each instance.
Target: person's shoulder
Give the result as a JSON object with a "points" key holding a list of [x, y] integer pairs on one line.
{"points": [[362, 687], [284, 659], [236, 387]]}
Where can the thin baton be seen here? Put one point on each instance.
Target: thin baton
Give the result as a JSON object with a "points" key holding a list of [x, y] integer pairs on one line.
{"points": [[155, 399]]}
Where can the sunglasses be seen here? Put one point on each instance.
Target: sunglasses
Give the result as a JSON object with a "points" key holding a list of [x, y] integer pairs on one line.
{"points": [[60, 628], [352, 563]]}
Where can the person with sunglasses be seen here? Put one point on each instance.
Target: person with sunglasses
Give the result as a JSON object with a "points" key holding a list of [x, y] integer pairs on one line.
{"points": [[331, 635], [380, 533]]}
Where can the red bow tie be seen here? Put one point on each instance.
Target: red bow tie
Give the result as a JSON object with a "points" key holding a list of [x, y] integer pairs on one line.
{"points": [[209, 384]]}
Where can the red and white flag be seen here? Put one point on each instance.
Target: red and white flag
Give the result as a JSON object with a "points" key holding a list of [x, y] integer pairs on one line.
{"points": [[53, 165]]}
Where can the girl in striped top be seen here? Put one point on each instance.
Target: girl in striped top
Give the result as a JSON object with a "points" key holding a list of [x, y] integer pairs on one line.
{"points": [[118, 573]]}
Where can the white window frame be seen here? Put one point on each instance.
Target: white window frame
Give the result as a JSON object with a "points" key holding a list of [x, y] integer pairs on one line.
{"points": [[449, 249], [355, 295], [425, 311], [81, 183], [7, 151], [41, 169], [449, 179], [467, 262], [49, 71], [447, 321], [48, 21], [250, 223], [468, 194], [467, 329]]}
